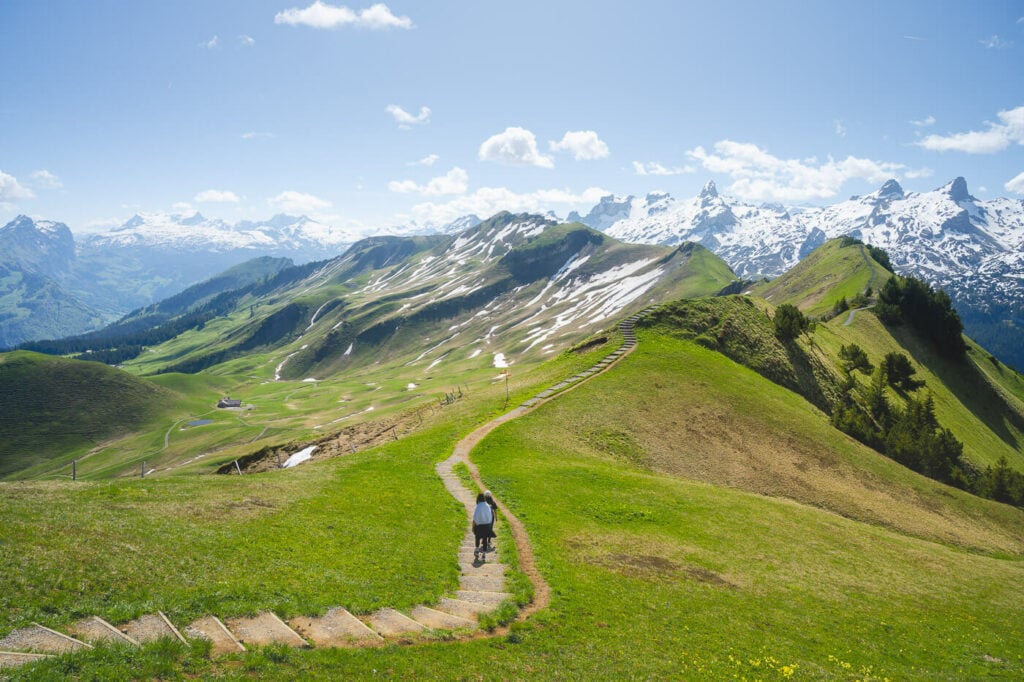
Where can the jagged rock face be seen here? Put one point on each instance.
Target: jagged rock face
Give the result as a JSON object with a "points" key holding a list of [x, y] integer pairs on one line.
{"points": [[43, 247], [608, 211]]}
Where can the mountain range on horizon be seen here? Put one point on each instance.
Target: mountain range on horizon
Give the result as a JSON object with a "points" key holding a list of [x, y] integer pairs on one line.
{"points": [[973, 249]]}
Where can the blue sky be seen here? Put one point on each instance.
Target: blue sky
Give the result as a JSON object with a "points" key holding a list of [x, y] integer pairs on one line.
{"points": [[375, 114]]}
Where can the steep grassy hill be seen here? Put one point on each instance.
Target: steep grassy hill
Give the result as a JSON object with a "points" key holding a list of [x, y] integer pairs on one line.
{"points": [[52, 407], [839, 268], [516, 280], [978, 398]]}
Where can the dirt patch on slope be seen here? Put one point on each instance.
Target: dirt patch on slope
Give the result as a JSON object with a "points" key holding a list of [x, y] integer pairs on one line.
{"points": [[349, 440]]}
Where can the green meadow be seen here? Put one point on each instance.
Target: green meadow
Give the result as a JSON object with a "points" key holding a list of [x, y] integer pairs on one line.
{"points": [[692, 519]]}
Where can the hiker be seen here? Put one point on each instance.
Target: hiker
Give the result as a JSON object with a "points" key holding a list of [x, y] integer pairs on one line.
{"points": [[483, 523], [489, 499]]}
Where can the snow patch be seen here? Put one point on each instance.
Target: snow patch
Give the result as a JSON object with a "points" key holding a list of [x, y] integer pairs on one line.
{"points": [[299, 457], [499, 361]]}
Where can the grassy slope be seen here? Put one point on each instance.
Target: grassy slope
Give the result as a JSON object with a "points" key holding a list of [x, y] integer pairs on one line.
{"points": [[652, 574], [372, 387], [57, 408], [828, 274], [983, 403]]}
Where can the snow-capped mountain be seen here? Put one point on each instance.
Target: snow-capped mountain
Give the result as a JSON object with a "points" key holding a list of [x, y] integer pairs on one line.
{"points": [[754, 240], [300, 237], [513, 286], [40, 246], [971, 248], [414, 227], [946, 236]]}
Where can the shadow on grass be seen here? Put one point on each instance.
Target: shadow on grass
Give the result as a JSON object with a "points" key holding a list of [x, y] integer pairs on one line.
{"points": [[968, 383]]}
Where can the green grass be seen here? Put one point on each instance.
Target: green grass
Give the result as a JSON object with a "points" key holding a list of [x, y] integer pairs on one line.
{"points": [[657, 575], [827, 275], [229, 545], [296, 541], [53, 407]]}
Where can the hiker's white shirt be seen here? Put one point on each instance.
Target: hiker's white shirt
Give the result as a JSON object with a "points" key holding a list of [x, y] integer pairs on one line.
{"points": [[482, 515]]}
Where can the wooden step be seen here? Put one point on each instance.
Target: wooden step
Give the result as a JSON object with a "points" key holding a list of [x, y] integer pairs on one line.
{"points": [[336, 628], [263, 629], [12, 659], [392, 623], [482, 583], [461, 608], [40, 639], [150, 627], [483, 597], [495, 569], [95, 629], [439, 620], [220, 638]]}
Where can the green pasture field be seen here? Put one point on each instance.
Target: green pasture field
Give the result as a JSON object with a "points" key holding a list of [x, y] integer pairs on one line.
{"points": [[655, 570]]}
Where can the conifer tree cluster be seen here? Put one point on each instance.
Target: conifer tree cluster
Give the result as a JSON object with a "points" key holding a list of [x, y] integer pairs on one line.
{"points": [[910, 433], [929, 311]]}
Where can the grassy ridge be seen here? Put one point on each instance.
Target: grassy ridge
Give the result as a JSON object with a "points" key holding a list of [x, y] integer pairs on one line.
{"points": [[831, 272], [978, 401]]}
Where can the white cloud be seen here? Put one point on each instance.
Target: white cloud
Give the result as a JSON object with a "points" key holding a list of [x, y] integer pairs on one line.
{"points": [[211, 43], [995, 43], [455, 181], [585, 145], [924, 122], [487, 201], [655, 168], [996, 138], [759, 176], [405, 119], [216, 196], [917, 38], [322, 15], [1016, 185], [291, 201], [46, 180], [914, 173], [428, 160], [253, 135], [839, 127], [246, 41], [515, 147], [11, 190]]}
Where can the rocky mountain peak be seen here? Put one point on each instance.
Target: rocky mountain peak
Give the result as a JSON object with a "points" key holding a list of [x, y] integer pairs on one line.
{"points": [[957, 190], [43, 246], [710, 191], [891, 190]]}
